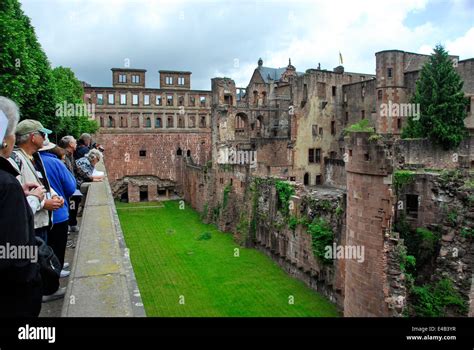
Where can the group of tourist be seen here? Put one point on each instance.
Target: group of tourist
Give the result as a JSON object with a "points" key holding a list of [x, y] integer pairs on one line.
{"points": [[42, 186]]}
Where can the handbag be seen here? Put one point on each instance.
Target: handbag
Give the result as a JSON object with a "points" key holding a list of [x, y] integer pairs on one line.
{"points": [[50, 267]]}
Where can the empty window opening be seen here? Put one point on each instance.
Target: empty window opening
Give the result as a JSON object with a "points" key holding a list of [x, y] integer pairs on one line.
{"points": [[412, 205], [306, 179], [318, 180]]}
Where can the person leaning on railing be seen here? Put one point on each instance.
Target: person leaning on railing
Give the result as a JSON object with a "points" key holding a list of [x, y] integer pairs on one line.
{"points": [[85, 173], [20, 291]]}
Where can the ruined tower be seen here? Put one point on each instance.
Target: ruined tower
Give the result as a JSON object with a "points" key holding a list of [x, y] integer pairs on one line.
{"points": [[369, 213]]}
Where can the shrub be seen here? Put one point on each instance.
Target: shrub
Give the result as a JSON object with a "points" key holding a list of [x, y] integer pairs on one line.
{"points": [[284, 192], [321, 237], [433, 300]]}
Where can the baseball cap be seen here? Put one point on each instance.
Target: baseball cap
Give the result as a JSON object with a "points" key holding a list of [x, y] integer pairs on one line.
{"points": [[29, 125]]}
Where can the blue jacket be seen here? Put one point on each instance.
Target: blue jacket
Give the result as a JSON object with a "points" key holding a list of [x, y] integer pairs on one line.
{"points": [[62, 181]]}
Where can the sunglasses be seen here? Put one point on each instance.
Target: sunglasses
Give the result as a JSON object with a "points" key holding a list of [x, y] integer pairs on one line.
{"points": [[42, 134]]}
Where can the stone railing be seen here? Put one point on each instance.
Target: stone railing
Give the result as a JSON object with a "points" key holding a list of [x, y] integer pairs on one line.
{"points": [[102, 282]]}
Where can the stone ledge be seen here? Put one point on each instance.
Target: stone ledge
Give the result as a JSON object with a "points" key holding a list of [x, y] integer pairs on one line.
{"points": [[102, 282]]}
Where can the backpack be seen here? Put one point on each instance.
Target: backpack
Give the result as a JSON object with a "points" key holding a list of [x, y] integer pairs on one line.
{"points": [[50, 267]]}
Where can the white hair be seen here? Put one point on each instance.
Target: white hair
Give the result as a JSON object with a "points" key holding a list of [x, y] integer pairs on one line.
{"points": [[66, 141], [85, 136], [12, 113], [94, 154]]}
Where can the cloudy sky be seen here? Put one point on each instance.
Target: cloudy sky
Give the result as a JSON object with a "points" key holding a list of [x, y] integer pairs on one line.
{"points": [[226, 38]]}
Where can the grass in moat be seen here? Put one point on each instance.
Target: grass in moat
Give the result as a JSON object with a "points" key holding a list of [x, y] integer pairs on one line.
{"points": [[181, 273]]}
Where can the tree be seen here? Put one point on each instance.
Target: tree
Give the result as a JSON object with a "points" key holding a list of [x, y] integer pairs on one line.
{"points": [[25, 73], [26, 76], [69, 92], [442, 103]]}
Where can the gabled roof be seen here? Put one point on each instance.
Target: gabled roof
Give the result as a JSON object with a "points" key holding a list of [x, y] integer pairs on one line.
{"points": [[274, 74]]}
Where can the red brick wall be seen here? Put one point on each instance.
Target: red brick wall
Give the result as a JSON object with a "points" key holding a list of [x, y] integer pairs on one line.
{"points": [[369, 213], [160, 160]]}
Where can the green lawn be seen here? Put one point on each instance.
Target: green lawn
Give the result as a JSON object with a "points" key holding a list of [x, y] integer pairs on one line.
{"points": [[171, 263]]}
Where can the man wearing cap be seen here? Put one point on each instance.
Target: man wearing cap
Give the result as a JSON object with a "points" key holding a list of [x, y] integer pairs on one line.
{"points": [[30, 137]]}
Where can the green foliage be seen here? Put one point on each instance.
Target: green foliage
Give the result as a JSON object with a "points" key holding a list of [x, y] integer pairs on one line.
{"points": [[448, 176], [469, 184], [375, 137], [442, 103], [407, 266], [26, 76], [467, 232], [284, 192], [293, 222], [361, 126], [427, 242], [25, 73], [321, 237], [227, 190], [339, 211], [435, 299], [453, 217], [226, 167], [402, 178], [204, 236], [421, 243], [216, 212], [69, 91], [243, 228], [325, 204]]}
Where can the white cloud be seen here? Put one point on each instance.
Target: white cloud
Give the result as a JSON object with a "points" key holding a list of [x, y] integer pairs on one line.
{"points": [[462, 46], [205, 37]]}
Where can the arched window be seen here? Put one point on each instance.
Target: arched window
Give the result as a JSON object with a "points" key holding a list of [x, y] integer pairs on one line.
{"points": [[123, 122], [202, 123], [111, 122], [258, 125], [158, 123], [148, 122], [241, 121], [188, 153], [179, 152], [169, 122]]}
